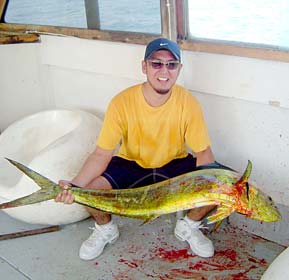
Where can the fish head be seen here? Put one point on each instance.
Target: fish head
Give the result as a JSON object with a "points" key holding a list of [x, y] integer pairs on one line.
{"points": [[258, 205], [252, 202]]}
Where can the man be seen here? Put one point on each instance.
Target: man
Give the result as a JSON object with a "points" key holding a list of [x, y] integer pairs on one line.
{"points": [[154, 122]]}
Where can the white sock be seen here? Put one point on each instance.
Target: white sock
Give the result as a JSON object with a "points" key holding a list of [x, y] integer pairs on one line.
{"points": [[104, 226], [191, 222]]}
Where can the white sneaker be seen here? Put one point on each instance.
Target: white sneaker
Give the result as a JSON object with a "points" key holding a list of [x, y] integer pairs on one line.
{"points": [[94, 245], [189, 230]]}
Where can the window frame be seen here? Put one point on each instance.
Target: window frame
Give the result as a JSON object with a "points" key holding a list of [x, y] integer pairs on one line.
{"points": [[174, 26], [251, 50]]}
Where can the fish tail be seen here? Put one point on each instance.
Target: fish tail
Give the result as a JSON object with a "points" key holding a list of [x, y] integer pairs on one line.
{"points": [[48, 189], [40, 180], [36, 197]]}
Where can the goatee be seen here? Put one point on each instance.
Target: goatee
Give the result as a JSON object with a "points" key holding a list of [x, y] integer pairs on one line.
{"points": [[162, 91]]}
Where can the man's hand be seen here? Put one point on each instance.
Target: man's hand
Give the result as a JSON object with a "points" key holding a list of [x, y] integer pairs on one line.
{"points": [[66, 195]]}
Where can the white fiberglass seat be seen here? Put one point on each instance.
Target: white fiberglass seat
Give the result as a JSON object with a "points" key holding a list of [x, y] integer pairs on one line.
{"points": [[54, 143], [278, 269]]}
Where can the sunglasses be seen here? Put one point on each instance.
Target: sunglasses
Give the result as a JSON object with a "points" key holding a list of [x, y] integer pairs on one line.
{"points": [[158, 64]]}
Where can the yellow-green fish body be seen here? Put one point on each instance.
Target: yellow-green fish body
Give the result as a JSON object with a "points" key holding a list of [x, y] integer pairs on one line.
{"points": [[220, 187]]}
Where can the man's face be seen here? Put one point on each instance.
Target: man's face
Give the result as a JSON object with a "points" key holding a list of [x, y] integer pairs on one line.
{"points": [[160, 78]]}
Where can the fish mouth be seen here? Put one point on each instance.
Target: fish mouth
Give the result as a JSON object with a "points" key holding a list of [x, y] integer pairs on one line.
{"points": [[267, 216], [277, 217]]}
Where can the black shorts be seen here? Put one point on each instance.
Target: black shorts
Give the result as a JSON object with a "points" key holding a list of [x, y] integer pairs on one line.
{"points": [[123, 174]]}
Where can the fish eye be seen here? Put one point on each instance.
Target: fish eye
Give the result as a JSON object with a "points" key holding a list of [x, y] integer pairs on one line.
{"points": [[270, 198]]}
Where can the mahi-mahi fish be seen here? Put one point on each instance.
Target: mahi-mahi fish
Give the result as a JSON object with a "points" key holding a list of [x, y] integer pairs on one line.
{"points": [[227, 190]]}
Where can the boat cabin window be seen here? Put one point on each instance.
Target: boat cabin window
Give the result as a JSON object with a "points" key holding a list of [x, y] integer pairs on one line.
{"points": [[46, 12], [263, 22], [131, 16], [257, 29]]}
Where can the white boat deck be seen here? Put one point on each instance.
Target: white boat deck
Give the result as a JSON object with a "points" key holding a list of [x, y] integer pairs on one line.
{"points": [[149, 251]]}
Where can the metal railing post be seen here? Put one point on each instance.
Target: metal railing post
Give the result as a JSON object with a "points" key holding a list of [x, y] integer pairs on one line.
{"points": [[169, 20], [92, 14]]}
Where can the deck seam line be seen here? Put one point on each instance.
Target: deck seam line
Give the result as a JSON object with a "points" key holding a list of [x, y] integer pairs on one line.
{"points": [[15, 268]]}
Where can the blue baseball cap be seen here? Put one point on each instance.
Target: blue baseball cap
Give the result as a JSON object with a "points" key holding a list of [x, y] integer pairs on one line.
{"points": [[163, 44]]}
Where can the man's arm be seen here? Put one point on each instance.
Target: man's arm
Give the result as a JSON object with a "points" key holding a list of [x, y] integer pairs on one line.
{"points": [[205, 160], [93, 167], [205, 157]]}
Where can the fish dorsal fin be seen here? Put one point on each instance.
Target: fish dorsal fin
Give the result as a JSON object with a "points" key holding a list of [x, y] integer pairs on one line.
{"points": [[246, 174]]}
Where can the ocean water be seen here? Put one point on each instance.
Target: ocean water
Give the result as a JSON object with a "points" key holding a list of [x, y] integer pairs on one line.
{"points": [[126, 15], [253, 21]]}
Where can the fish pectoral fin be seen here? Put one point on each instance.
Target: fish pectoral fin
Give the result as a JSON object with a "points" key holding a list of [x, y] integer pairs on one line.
{"points": [[148, 219], [221, 213], [216, 226]]}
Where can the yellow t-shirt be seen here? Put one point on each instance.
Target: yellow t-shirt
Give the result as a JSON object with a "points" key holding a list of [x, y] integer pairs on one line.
{"points": [[153, 136]]}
